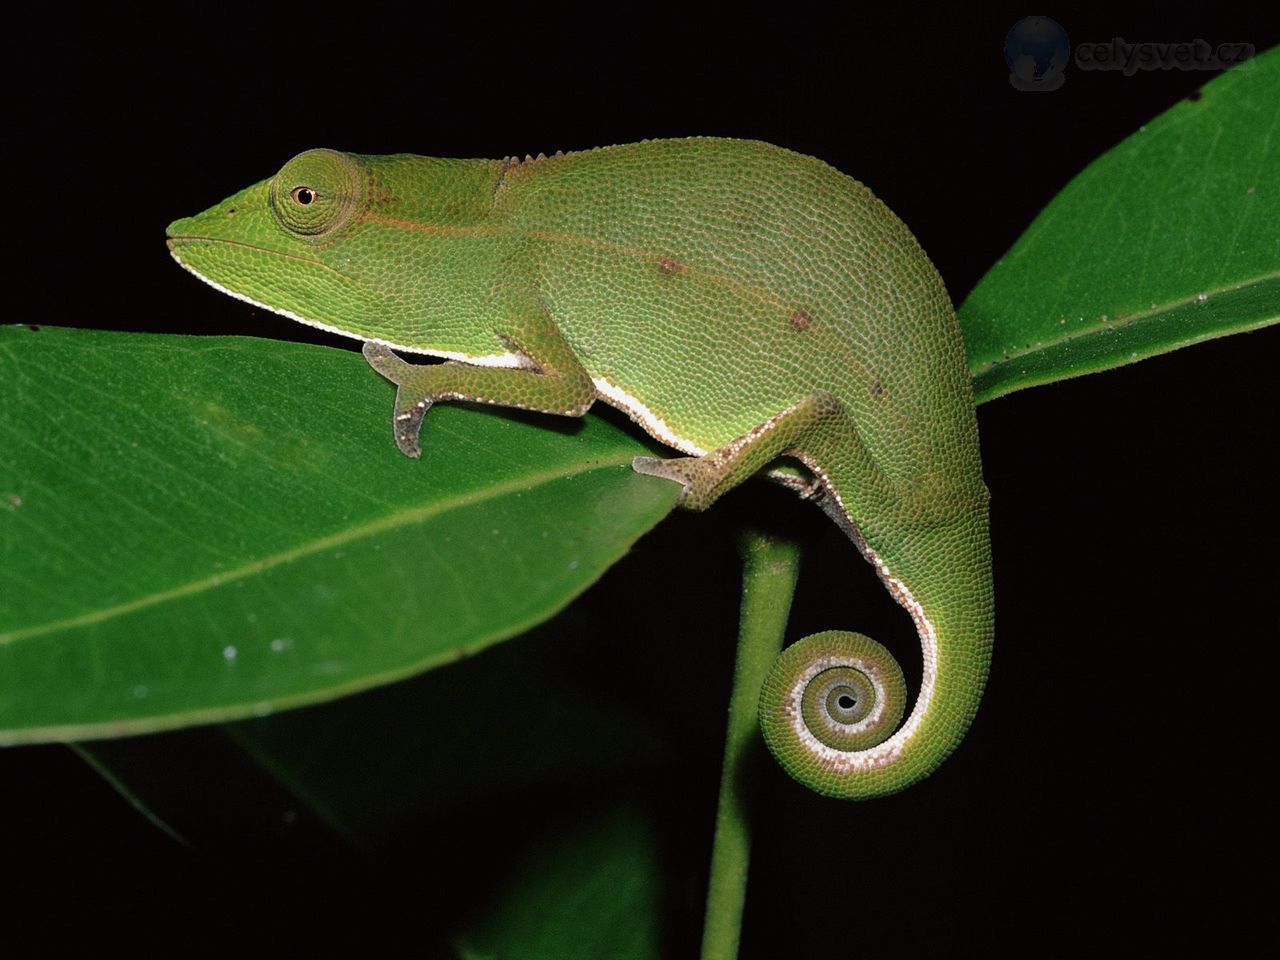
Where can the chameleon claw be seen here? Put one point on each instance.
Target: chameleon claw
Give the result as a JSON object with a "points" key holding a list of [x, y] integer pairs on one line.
{"points": [[407, 422], [653, 466], [672, 469], [384, 361]]}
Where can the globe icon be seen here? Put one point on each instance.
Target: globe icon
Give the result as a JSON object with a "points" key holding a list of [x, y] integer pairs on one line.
{"points": [[1036, 50]]}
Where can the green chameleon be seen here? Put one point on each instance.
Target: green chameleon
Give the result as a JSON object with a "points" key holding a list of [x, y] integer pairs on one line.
{"points": [[742, 303]]}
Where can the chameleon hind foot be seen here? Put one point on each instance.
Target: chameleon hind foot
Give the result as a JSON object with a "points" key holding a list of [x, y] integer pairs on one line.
{"points": [[678, 469], [817, 430]]}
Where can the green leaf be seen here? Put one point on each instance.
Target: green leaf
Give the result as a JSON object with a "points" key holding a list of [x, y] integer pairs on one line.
{"points": [[573, 868], [593, 892], [180, 543], [445, 740], [1170, 238]]}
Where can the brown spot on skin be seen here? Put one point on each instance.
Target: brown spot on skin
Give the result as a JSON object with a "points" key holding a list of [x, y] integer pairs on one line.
{"points": [[800, 320], [33, 327], [877, 389], [667, 266], [1194, 95], [376, 194]]}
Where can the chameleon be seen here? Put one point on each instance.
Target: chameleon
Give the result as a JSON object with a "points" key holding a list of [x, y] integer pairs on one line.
{"points": [[752, 307]]}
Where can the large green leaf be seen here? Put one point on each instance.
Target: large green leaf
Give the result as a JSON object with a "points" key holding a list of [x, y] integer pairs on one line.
{"points": [[543, 770], [446, 742], [180, 542], [593, 892], [1170, 238]]}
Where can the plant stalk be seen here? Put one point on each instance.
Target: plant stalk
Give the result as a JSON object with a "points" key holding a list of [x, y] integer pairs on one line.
{"points": [[769, 570]]}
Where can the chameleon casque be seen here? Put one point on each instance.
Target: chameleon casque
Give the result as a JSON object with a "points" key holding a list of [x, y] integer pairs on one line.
{"points": [[742, 303]]}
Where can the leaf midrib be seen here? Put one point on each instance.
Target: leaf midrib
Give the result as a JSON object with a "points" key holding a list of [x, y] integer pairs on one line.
{"points": [[1097, 327], [388, 522]]}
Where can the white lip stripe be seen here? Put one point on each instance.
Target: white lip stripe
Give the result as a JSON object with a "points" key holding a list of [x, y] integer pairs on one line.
{"points": [[617, 397], [506, 359]]}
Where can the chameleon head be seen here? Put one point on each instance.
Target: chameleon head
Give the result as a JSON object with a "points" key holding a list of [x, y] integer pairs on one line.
{"points": [[277, 244]]}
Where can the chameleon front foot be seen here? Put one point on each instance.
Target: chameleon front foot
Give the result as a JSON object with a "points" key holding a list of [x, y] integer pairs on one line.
{"points": [[412, 403]]}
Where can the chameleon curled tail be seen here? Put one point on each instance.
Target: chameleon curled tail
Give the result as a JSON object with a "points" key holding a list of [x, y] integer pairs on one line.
{"points": [[829, 696], [831, 708]]}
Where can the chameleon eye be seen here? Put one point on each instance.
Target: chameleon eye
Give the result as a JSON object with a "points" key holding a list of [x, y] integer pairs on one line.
{"points": [[316, 192]]}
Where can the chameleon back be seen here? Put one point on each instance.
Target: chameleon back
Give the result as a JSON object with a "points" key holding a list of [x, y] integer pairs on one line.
{"points": [[660, 260]]}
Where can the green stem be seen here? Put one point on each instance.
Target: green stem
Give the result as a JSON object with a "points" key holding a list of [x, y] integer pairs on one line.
{"points": [[769, 568]]}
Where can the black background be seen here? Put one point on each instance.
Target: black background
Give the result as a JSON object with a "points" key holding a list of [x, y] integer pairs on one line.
{"points": [[1114, 788]]}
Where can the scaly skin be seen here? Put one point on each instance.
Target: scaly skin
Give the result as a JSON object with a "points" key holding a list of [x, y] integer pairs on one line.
{"points": [[740, 301]]}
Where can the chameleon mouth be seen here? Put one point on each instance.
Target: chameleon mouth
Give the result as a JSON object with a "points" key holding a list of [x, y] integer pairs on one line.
{"points": [[174, 242], [506, 359]]}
